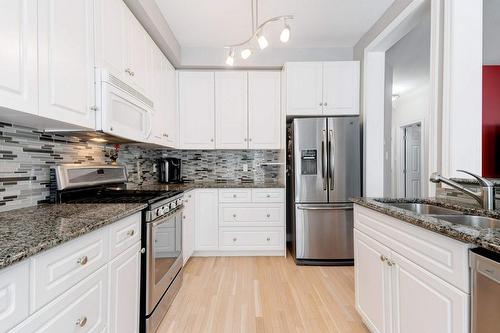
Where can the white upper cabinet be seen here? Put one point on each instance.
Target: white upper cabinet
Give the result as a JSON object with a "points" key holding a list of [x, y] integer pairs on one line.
{"points": [[304, 88], [18, 58], [196, 110], [66, 61], [170, 93], [137, 54], [231, 110], [322, 88], [264, 110], [341, 88]]}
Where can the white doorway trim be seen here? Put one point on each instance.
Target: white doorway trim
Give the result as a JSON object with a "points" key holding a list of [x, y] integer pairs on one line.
{"points": [[373, 92]]}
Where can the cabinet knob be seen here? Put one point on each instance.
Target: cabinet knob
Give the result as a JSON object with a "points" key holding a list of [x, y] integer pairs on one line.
{"points": [[268, 239], [234, 195], [184, 217], [128, 71], [81, 321], [391, 263], [250, 139], [320, 104], [235, 239], [383, 258], [268, 196], [245, 139], [111, 128], [93, 108], [189, 196], [211, 140], [234, 215], [325, 104], [268, 215], [130, 233], [82, 260]]}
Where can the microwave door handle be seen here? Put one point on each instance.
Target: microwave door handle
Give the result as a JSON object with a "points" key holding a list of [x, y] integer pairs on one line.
{"points": [[323, 156], [331, 169]]}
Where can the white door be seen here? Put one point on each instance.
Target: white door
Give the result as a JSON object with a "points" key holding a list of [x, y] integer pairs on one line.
{"points": [[304, 82], [372, 283], [196, 110], [425, 303], [188, 229], [264, 110], [18, 55], [66, 61], [231, 110], [341, 88], [137, 52], [206, 220], [110, 36], [124, 291], [170, 93], [412, 160]]}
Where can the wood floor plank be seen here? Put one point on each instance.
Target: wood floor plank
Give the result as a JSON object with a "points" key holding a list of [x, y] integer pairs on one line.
{"points": [[263, 294]]}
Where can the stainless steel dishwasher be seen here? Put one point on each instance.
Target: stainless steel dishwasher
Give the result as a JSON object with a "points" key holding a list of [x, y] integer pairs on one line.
{"points": [[485, 279]]}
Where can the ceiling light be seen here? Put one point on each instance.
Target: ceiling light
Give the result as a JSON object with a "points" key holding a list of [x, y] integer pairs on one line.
{"points": [[285, 34], [230, 58], [263, 43], [100, 140], [246, 53]]}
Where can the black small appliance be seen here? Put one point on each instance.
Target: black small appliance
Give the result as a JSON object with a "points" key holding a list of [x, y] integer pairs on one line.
{"points": [[170, 170]]}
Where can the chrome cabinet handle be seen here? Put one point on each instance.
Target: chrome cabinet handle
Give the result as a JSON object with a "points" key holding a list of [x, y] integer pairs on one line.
{"points": [[81, 321], [130, 233], [82, 260]]}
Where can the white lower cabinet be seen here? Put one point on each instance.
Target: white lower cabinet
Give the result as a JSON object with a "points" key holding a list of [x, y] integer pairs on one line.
{"points": [[14, 296], [188, 228], [207, 223], [395, 294], [250, 238]]}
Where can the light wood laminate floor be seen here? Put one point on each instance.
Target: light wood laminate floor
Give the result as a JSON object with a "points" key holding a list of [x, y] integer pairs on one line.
{"points": [[263, 294]]}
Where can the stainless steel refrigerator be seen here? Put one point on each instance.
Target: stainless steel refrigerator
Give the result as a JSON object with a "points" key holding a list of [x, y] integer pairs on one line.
{"points": [[324, 156]]}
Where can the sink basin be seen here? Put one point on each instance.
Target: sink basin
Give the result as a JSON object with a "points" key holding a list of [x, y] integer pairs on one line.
{"points": [[471, 220], [425, 209]]}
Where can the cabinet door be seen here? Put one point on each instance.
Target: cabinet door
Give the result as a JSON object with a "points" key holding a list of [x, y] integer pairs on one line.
{"points": [[66, 61], [231, 110], [124, 291], [372, 283], [110, 36], [206, 220], [14, 294], [425, 303], [170, 93], [304, 82], [188, 230], [159, 118], [137, 54], [18, 58], [264, 110], [341, 88], [196, 110]]}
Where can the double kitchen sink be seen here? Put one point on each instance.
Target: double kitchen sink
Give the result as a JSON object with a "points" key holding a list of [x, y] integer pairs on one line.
{"points": [[449, 215]]}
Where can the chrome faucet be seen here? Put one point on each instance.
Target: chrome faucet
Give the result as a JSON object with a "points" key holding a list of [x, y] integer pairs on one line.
{"points": [[485, 196]]}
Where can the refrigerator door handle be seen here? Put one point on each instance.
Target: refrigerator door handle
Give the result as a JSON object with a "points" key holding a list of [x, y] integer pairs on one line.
{"points": [[323, 162], [325, 207], [331, 169]]}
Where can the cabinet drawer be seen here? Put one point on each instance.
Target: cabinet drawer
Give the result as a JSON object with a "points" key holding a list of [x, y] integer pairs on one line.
{"points": [[57, 270], [14, 295], [235, 195], [250, 238], [268, 195], [82, 309], [440, 255], [251, 215], [124, 234]]}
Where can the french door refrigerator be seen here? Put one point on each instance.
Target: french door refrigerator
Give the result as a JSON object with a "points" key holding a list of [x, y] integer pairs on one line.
{"points": [[326, 172]]}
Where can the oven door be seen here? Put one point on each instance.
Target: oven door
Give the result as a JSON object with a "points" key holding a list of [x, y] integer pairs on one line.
{"points": [[164, 256]]}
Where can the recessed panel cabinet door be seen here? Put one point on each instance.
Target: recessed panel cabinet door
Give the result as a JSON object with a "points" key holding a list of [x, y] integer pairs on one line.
{"points": [[170, 93], [188, 228], [231, 110], [138, 52], [66, 61], [341, 88], [206, 220], [196, 110], [18, 55], [304, 88], [264, 110]]}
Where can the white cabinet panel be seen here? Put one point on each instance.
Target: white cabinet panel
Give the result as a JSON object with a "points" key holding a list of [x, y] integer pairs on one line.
{"points": [[425, 303], [341, 88], [207, 222], [235, 195], [124, 233], [14, 295], [266, 215], [304, 85], [268, 195], [231, 110], [81, 309], [372, 283], [170, 93], [18, 55], [196, 110], [137, 52], [66, 61], [188, 225], [124, 291], [264, 110], [251, 238]]}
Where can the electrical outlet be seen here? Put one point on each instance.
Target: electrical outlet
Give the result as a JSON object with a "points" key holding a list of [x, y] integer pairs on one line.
{"points": [[245, 167], [154, 168]]}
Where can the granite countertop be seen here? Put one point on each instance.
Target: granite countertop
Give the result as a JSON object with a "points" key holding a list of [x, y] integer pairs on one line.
{"points": [[27, 231], [192, 185], [487, 238]]}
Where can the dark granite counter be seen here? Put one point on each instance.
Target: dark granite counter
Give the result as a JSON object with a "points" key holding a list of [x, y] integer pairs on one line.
{"points": [[27, 231], [193, 185], [487, 238]]}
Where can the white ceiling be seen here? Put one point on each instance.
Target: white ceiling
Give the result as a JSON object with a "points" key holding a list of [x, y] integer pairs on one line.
{"points": [[317, 23]]}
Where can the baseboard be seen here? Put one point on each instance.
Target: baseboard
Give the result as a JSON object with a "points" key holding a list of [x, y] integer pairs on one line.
{"points": [[281, 253]]}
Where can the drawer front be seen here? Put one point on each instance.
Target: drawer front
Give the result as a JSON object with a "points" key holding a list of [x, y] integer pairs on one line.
{"points": [[14, 295], [250, 239], [440, 255], [57, 270], [124, 234], [235, 195], [268, 195], [251, 215], [82, 309]]}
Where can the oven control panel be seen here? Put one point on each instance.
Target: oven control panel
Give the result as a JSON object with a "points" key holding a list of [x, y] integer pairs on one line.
{"points": [[164, 208]]}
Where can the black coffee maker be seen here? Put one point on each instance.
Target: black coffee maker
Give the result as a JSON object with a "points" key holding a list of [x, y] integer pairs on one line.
{"points": [[170, 170]]}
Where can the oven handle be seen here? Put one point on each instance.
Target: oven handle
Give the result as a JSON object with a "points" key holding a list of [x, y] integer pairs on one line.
{"points": [[164, 219]]}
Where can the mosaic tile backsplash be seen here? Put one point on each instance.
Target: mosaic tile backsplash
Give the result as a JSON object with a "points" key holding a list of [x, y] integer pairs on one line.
{"points": [[26, 156]]}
